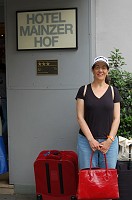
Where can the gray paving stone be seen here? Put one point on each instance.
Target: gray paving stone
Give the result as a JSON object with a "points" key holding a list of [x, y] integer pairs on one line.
{"points": [[17, 197]]}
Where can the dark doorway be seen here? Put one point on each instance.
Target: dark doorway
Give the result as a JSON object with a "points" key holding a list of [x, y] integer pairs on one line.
{"points": [[4, 175]]}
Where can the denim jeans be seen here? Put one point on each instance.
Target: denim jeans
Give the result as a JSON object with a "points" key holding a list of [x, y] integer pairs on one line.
{"points": [[84, 153]]}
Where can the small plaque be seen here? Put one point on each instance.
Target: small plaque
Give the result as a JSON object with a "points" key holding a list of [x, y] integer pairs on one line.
{"points": [[46, 67]]}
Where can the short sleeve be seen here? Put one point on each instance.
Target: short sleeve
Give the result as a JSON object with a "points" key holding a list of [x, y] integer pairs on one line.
{"points": [[80, 93], [117, 97]]}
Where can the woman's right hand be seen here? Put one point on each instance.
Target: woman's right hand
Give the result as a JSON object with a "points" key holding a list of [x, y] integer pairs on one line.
{"points": [[94, 144]]}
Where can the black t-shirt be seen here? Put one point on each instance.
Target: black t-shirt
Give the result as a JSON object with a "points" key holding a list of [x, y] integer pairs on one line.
{"points": [[98, 112]]}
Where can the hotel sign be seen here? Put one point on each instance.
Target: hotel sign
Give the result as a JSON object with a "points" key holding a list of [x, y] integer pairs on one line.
{"points": [[47, 29]]}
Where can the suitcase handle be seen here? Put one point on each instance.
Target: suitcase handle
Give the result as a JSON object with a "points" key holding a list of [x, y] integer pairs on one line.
{"points": [[53, 154], [130, 146], [130, 157]]}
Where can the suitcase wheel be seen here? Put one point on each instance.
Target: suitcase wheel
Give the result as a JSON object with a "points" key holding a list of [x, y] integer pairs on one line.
{"points": [[73, 198], [39, 197]]}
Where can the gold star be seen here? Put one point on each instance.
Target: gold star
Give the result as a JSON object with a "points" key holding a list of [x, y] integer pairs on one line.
{"points": [[43, 63], [39, 63], [47, 63]]}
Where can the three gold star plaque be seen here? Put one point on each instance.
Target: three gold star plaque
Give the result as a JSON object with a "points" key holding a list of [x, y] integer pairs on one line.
{"points": [[47, 67]]}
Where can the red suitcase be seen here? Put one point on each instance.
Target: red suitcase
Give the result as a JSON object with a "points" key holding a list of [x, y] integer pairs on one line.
{"points": [[56, 175]]}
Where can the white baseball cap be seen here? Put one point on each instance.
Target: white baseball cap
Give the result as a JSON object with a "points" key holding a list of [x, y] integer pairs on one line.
{"points": [[101, 58]]}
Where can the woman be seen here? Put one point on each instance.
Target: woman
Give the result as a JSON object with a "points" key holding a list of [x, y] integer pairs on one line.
{"points": [[98, 116]]}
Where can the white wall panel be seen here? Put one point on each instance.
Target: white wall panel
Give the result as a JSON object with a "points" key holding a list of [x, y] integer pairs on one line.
{"points": [[113, 28]]}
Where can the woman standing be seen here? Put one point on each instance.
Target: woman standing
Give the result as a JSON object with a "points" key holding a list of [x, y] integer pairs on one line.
{"points": [[98, 114]]}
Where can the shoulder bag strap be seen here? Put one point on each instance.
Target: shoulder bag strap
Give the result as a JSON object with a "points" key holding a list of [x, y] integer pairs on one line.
{"points": [[85, 89], [112, 90]]}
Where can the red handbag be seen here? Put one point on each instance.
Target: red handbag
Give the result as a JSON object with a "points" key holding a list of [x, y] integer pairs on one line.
{"points": [[98, 183]]}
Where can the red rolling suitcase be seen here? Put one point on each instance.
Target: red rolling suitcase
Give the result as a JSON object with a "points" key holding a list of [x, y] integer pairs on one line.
{"points": [[56, 175]]}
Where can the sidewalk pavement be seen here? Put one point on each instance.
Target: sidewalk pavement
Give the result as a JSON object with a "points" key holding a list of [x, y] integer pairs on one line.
{"points": [[17, 197]]}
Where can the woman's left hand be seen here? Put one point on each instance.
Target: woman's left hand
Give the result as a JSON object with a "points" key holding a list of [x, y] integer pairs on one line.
{"points": [[104, 146]]}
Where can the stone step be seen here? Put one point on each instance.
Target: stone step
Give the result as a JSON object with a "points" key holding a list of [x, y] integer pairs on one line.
{"points": [[5, 187]]}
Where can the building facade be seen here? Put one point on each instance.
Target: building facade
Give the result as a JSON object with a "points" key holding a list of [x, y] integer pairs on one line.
{"points": [[41, 108]]}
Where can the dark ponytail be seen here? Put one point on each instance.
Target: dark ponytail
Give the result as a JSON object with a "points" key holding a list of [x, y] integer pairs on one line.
{"points": [[107, 79]]}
